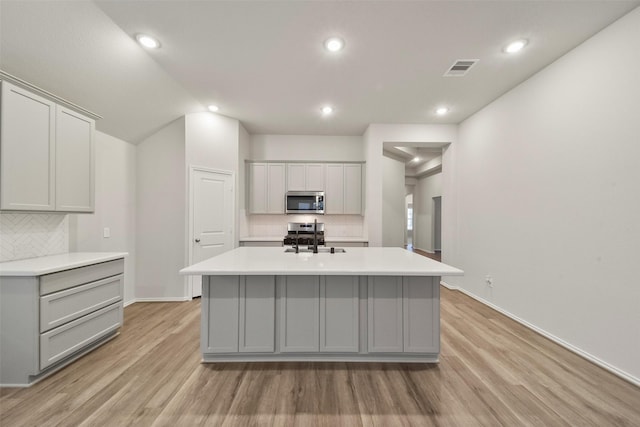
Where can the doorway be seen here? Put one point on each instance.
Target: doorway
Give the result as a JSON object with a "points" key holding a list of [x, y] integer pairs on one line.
{"points": [[408, 241], [211, 217], [437, 224]]}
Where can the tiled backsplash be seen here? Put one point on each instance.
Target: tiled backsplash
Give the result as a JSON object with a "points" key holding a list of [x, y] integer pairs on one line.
{"points": [[276, 225], [29, 235]]}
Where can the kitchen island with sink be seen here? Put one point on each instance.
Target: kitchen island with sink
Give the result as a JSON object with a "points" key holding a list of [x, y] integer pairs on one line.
{"points": [[363, 304]]}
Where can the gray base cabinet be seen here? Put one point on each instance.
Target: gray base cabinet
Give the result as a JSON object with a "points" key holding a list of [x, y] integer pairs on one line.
{"points": [[48, 321], [340, 318]]}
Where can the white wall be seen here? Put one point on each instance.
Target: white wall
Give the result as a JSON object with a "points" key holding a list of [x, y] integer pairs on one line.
{"points": [[212, 141], [307, 147], [393, 203], [115, 207], [161, 214], [425, 190], [548, 199], [405, 135]]}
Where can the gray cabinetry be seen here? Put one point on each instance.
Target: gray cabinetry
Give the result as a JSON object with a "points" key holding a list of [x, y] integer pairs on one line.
{"points": [[46, 154], [421, 309], [404, 314], [299, 321], [240, 313], [220, 308], [321, 317], [48, 321], [339, 314], [257, 314], [385, 314], [74, 161], [27, 150]]}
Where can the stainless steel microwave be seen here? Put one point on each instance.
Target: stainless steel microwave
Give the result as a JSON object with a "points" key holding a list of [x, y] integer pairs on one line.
{"points": [[305, 202]]}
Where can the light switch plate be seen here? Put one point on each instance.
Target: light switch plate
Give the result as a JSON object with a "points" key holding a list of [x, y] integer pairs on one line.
{"points": [[106, 233]]}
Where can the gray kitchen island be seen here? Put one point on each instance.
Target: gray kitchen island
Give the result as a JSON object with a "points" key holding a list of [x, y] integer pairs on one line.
{"points": [[366, 304]]}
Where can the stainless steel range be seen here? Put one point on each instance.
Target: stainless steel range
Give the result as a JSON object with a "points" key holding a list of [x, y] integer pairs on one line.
{"points": [[302, 233]]}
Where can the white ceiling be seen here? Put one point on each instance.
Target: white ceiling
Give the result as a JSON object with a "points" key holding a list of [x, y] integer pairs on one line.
{"points": [[263, 62]]}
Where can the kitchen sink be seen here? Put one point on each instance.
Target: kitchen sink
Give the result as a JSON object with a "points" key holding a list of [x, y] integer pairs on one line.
{"points": [[320, 250]]}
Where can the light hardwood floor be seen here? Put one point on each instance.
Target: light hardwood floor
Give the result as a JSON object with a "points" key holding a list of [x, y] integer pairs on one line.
{"points": [[493, 372]]}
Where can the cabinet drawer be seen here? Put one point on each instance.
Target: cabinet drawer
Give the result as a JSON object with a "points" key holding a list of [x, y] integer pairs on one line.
{"points": [[79, 276], [67, 339], [61, 307]]}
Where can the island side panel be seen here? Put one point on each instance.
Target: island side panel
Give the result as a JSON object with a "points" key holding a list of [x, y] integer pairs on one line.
{"points": [[299, 314], [339, 314], [19, 330], [421, 310], [385, 314], [220, 312], [257, 314]]}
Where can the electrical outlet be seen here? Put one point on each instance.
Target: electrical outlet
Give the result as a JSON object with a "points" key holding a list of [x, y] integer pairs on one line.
{"points": [[489, 281], [106, 233]]}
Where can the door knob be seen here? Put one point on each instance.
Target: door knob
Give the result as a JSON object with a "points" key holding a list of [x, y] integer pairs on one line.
{"points": [[197, 240]]}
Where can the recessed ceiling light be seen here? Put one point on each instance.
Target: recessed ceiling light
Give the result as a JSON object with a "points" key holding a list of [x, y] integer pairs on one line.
{"points": [[213, 108], [516, 46], [416, 159], [441, 111], [334, 44], [148, 41], [327, 110]]}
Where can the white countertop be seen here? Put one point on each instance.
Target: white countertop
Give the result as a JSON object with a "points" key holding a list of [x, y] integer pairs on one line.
{"points": [[251, 261], [54, 263]]}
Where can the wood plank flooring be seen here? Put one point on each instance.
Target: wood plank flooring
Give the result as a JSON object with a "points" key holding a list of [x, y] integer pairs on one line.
{"points": [[493, 372]]}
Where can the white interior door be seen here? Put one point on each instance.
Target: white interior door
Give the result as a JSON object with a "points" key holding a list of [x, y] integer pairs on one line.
{"points": [[212, 208]]}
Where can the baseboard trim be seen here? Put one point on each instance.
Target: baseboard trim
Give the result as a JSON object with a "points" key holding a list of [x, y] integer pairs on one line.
{"points": [[591, 358], [162, 299], [424, 250]]}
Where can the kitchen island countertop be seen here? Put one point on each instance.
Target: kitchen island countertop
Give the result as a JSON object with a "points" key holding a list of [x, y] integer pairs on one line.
{"points": [[368, 261]]}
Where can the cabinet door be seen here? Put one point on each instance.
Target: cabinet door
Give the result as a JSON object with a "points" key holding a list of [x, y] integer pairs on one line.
{"points": [[339, 302], [299, 320], [27, 151], [74, 161], [334, 189], [258, 188], [421, 306], [220, 307], [385, 314], [276, 188], [296, 177], [315, 177], [257, 314], [353, 189]]}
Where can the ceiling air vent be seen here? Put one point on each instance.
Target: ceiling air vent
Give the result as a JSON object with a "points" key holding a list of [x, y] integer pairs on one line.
{"points": [[460, 67]]}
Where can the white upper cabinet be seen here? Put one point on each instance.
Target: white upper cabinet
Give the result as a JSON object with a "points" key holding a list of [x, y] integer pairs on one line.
{"points": [[27, 151], [266, 188], [341, 182], [74, 161], [334, 193], [353, 189], [343, 194], [305, 176], [46, 154]]}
